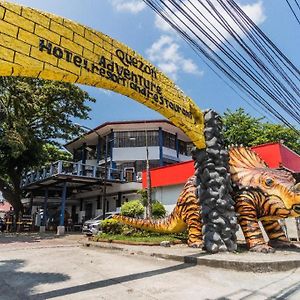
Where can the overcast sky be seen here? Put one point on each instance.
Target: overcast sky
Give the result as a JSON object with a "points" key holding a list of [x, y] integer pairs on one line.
{"points": [[133, 23]]}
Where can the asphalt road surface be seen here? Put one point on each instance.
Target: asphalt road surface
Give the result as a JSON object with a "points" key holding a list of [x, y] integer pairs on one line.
{"points": [[54, 268]]}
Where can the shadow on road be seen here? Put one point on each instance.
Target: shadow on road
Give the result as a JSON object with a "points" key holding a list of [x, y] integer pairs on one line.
{"points": [[31, 238], [16, 284], [10, 238], [109, 282]]}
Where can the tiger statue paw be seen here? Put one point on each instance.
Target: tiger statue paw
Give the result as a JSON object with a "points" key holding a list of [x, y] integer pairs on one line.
{"points": [[280, 244], [195, 244], [262, 248]]}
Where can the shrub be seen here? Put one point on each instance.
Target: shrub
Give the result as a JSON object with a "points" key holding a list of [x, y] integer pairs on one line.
{"points": [[144, 196], [111, 226], [133, 208], [158, 210]]}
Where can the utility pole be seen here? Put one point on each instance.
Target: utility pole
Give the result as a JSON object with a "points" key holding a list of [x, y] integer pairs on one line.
{"points": [[149, 200], [105, 178]]}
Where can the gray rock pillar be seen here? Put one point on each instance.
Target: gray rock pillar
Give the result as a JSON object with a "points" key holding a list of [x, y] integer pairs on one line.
{"points": [[214, 188]]}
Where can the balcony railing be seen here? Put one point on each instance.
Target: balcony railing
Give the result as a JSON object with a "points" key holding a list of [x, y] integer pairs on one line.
{"points": [[71, 169]]}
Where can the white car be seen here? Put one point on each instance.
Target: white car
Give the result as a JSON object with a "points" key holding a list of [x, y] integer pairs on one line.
{"points": [[93, 226]]}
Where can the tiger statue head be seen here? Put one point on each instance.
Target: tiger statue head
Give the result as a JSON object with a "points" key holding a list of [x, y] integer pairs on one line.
{"points": [[249, 172]]}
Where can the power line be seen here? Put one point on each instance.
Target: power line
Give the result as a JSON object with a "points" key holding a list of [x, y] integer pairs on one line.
{"points": [[293, 11], [265, 58]]}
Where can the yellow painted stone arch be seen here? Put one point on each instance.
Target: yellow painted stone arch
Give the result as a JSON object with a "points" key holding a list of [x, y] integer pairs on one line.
{"points": [[42, 45]]}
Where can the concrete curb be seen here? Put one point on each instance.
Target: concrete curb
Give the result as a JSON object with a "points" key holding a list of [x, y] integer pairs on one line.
{"points": [[208, 260]]}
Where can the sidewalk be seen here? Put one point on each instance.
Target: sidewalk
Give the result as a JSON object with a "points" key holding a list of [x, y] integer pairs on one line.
{"points": [[243, 260]]}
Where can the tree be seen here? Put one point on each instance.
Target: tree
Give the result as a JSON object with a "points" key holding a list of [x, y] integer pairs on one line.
{"points": [[276, 132], [52, 153], [37, 113], [241, 128]]}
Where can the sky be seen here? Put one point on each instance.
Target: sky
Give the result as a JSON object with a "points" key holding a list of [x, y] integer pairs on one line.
{"points": [[135, 24]]}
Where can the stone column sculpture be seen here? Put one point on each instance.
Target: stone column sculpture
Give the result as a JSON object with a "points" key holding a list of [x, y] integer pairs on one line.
{"points": [[214, 188]]}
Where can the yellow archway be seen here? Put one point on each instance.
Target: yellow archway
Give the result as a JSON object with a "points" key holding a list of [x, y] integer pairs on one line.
{"points": [[42, 45]]}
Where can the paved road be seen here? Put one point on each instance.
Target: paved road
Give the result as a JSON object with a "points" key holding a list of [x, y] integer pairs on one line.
{"points": [[52, 268]]}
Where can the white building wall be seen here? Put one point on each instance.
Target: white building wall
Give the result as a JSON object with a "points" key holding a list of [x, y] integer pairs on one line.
{"points": [[184, 157], [134, 153], [170, 153], [167, 195]]}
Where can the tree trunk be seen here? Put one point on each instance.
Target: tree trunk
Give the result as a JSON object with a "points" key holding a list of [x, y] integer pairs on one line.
{"points": [[15, 200], [12, 196]]}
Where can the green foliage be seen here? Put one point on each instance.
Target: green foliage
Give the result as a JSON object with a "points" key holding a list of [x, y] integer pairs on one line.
{"points": [[133, 208], [144, 195], [241, 128], [276, 133], [158, 210], [36, 113], [52, 153], [111, 226], [143, 237]]}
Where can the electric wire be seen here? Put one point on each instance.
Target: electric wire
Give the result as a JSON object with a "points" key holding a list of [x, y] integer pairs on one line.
{"points": [[224, 70], [277, 90], [292, 9], [278, 116]]}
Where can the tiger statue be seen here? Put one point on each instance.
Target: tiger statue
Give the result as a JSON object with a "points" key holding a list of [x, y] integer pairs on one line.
{"points": [[185, 215], [260, 194]]}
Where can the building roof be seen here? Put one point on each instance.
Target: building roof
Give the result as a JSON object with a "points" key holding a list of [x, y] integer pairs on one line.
{"points": [[105, 128], [276, 155]]}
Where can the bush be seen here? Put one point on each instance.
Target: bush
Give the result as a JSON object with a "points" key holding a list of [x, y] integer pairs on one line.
{"points": [[111, 226], [158, 210], [133, 208]]}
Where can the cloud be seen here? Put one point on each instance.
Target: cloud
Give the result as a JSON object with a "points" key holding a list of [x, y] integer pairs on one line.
{"points": [[207, 21], [165, 53], [132, 6]]}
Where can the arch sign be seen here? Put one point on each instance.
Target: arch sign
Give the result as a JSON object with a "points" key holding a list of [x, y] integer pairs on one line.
{"points": [[42, 45]]}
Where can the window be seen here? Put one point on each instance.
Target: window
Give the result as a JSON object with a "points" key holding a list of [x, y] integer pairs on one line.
{"points": [[190, 146], [169, 140], [136, 138], [182, 147]]}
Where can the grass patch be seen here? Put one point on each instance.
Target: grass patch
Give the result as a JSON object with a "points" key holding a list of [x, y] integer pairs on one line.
{"points": [[148, 238]]}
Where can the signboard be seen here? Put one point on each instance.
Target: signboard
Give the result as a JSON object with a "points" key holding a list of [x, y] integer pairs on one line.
{"points": [[41, 45]]}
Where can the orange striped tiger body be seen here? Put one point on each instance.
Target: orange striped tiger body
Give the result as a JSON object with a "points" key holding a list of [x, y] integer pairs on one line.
{"points": [[260, 193], [186, 215]]}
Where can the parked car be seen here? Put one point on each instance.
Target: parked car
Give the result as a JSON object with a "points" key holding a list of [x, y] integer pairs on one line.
{"points": [[93, 226]]}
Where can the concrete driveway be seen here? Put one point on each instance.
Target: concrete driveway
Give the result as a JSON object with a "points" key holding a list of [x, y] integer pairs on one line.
{"points": [[58, 268]]}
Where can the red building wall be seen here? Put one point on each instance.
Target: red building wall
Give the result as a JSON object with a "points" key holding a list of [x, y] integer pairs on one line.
{"points": [[275, 155]]}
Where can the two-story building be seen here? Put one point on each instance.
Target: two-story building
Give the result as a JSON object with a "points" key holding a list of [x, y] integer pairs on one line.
{"points": [[106, 169]]}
